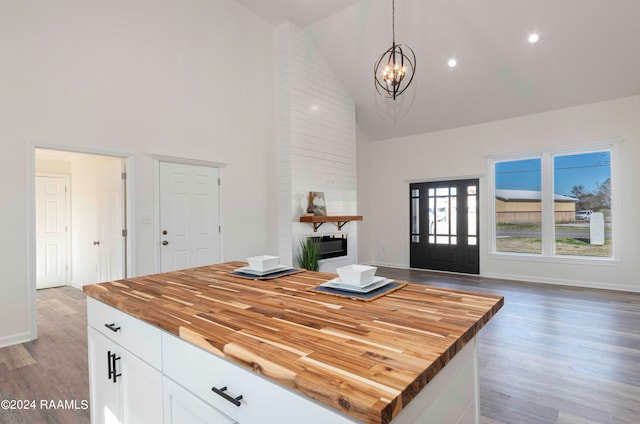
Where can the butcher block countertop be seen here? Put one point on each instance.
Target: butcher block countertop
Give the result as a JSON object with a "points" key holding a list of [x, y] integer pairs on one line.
{"points": [[366, 359]]}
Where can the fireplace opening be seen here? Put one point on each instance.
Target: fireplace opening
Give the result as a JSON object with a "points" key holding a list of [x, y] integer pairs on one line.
{"points": [[332, 246]]}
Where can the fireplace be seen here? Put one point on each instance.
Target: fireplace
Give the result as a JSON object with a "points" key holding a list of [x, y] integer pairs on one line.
{"points": [[332, 246]]}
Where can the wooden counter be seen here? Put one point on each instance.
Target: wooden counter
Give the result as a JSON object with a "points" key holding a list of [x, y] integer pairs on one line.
{"points": [[365, 359]]}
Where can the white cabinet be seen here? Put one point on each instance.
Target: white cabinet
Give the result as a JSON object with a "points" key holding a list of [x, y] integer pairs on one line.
{"points": [[124, 388], [135, 335], [141, 391], [106, 406], [180, 406]]}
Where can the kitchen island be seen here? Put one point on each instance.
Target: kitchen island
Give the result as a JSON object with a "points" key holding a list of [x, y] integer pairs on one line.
{"points": [[257, 350]]}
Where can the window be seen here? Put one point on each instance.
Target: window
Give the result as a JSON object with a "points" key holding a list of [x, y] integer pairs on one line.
{"points": [[415, 215], [554, 204], [518, 206], [472, 215]]}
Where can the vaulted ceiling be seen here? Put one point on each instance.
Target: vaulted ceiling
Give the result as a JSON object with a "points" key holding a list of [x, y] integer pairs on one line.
{"points": [[589, 51]]}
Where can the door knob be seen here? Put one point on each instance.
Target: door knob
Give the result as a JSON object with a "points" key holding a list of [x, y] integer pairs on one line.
{"points": [[96, 243], [164, 232], [164, 242]]}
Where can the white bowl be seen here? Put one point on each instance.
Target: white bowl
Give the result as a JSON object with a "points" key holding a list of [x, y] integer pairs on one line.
{"points": [[357, 275], [263, 262]]}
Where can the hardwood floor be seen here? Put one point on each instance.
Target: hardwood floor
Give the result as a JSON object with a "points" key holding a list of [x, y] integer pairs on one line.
{"points": [[553, 354], [52, 368]]}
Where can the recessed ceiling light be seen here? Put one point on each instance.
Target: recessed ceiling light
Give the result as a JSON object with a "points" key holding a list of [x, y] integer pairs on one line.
{"points": [[452, 63], [534, 38]]}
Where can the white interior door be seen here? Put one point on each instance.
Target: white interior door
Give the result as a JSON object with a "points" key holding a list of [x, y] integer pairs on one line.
{"points": [[189, 216], [51, 232], [111, 222]]}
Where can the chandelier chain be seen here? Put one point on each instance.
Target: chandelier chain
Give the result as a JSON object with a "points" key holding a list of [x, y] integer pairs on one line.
{"points": [[393, 21]]}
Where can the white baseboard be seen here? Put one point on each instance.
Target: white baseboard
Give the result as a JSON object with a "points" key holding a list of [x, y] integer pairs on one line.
{"points": [[16, 339], [529, 279], [387, 264], [564, 282], [76, 285]]}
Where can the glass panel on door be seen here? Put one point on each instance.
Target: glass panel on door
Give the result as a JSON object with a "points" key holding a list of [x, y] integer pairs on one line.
{"points": [[415, 215], [443, 219], [472, 206]]}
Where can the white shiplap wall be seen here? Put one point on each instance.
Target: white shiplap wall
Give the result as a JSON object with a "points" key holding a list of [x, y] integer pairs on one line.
{"points": [[317, 144]]}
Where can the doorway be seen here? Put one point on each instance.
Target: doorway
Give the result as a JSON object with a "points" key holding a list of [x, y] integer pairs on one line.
{"points": [[444, 226], [189, 216], [95, 225]]}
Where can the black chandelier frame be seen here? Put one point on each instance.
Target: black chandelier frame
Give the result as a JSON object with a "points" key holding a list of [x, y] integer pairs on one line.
{"points": [[398, 55]]}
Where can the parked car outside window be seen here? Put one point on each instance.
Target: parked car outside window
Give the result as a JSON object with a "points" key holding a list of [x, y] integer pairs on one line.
{"points": [[584, 215]]}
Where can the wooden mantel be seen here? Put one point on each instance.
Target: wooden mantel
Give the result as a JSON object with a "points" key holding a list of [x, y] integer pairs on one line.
{"points": [[317, 221]]}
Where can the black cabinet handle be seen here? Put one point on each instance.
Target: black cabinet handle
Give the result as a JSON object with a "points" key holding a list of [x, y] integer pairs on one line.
{"points": [[111, 362], [110, 370], [222, 392], [112, 327]]}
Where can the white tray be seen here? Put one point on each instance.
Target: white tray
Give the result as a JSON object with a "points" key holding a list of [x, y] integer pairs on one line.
{"points": [[377, 282], [247, 270]]}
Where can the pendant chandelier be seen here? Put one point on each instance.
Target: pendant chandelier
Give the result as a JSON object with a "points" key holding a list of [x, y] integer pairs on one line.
{"points": [[395, 67]]}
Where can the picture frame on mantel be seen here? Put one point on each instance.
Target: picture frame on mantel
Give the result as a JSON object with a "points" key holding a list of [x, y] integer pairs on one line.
{"points": [[316, 205]]}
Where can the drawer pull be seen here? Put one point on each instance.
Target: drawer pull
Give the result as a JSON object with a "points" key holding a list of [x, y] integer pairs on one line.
{"points": [[222, 392], [112, 327]]}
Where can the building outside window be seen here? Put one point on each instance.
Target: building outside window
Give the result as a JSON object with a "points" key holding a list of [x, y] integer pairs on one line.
{"points": [[554, 204]]}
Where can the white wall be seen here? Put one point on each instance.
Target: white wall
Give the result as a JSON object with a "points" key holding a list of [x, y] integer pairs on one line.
{"points": [[463, 152], [317, 145], [366, 196], [191, 78]]}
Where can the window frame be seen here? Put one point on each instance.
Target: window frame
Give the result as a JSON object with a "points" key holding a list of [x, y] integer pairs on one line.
{"points": [[546, 156]]}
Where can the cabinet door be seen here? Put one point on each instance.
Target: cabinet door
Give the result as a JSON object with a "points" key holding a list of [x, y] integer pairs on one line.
{"points": [[105, 394], [141, 390], [135, 397], [180, 406]]}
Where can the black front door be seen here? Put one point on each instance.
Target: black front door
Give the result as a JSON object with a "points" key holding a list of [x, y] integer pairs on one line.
{"points": [[444, 226]]}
